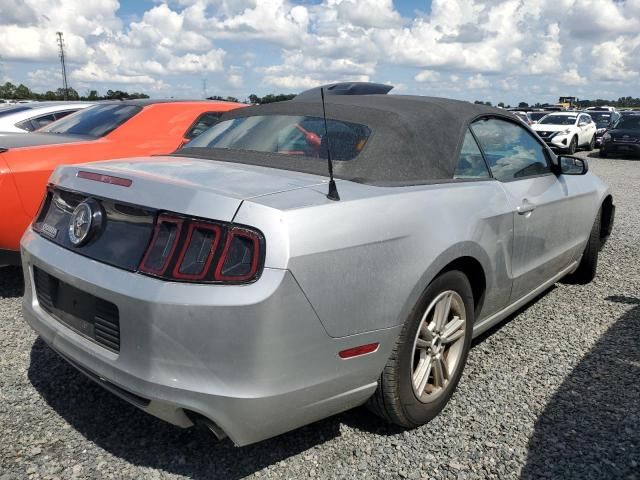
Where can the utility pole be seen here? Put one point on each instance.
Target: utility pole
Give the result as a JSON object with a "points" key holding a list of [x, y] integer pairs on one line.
{"points": [[65, 85]]}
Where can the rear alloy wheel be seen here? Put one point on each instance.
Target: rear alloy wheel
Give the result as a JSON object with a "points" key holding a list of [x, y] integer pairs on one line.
{"points": [[573, 146], [438, 345], [427, 361], [592, 144]]}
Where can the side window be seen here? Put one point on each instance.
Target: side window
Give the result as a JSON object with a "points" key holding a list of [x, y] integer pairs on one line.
{"points": [[511, 151], [204, 122], [26, 125], [60, 115], [43, 120], [471, 164]]}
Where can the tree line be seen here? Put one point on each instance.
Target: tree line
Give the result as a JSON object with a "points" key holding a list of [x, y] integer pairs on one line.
{"points": [[9, 91]]}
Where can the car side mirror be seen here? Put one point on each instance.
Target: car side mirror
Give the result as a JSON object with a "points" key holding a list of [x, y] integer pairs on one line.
{"points": [[572, 165]]}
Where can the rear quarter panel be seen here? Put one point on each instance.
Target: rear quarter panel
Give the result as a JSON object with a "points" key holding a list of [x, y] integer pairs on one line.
{"points": [[364, 261]]}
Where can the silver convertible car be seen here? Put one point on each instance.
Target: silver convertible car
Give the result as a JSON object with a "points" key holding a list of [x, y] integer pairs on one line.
{"points": [[233, 285]]}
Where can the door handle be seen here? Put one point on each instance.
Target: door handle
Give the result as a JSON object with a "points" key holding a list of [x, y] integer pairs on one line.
{"points": [[525, 208]]}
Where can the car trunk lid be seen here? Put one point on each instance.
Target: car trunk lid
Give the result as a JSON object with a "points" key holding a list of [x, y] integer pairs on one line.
{"points": [[202, 188], [133, 192]]}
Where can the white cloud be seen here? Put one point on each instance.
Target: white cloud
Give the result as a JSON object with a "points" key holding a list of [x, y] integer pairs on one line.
{"points": [[427, 76], [502, 47], [299, 82], [234, 78], [571, 76], [367, 13], [615, 62], [477, 81]]}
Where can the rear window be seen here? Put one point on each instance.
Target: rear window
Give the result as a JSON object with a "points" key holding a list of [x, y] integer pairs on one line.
{"points": [[286, 135], [96, 121]]}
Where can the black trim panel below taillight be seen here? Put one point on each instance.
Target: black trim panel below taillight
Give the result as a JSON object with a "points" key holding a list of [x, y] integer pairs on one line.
{"points": [[90, 316]]}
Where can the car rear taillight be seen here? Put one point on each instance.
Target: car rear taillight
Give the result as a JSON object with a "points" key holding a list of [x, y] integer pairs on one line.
{"points": [[192, 250]]}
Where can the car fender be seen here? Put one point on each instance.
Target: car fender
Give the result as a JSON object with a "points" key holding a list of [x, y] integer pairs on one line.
{"points": [[461, 250]]}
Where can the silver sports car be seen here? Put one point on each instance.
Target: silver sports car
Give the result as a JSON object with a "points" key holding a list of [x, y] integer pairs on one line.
{"points": [[233, 285]]}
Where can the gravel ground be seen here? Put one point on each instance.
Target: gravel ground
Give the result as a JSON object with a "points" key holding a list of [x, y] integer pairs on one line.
{"points": [[554, 392]]}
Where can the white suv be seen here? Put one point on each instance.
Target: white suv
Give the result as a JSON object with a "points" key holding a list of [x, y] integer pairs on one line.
{"points": [[567, 131]]}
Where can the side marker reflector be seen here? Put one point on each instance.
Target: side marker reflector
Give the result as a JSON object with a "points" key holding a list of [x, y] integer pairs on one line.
{"points": [[360, 350]]}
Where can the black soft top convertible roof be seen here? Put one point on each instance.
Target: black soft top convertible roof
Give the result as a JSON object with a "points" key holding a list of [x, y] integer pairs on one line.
{"points": [[414, 140]]}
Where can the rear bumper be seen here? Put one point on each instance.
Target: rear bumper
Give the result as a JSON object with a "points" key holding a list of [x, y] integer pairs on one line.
{"points": [[253, 359]]}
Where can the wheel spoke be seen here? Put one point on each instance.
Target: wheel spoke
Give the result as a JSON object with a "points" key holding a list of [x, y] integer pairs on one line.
{"points": [[421, 375], [441, 313], [425, 332], [438, 373], [453, 330], [422, 344]]}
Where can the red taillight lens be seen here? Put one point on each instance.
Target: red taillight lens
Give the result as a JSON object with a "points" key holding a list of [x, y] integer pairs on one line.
{"points": [[239, 261], [163, 245], [190, 250], [197, 251]]}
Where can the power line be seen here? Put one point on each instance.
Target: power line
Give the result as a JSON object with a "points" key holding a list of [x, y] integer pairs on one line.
{"points": [[65, 85]]}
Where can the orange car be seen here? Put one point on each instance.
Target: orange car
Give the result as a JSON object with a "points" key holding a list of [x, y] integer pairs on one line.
{"points": [[109, 130]]}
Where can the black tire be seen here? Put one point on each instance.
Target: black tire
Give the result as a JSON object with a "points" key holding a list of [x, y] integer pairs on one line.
{"points": [[603, 154], [573, 146], [586, 271], [395, 400], [592, 144]]}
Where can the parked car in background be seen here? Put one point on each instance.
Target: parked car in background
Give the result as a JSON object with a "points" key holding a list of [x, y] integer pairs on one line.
{"points": [[623, 138], [604, 120], [247, 299], [537, 116], [524, 116], [27, 117], [567, 131], [108, 130], [606, 108]]}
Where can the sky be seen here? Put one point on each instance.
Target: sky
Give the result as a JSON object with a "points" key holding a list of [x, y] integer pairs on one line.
{"points": [[492, 50]]}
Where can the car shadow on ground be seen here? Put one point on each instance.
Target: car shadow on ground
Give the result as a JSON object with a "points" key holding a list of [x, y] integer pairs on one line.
{"points": [[11, 282], [140, 439], [618, 156], [591, 426]]}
